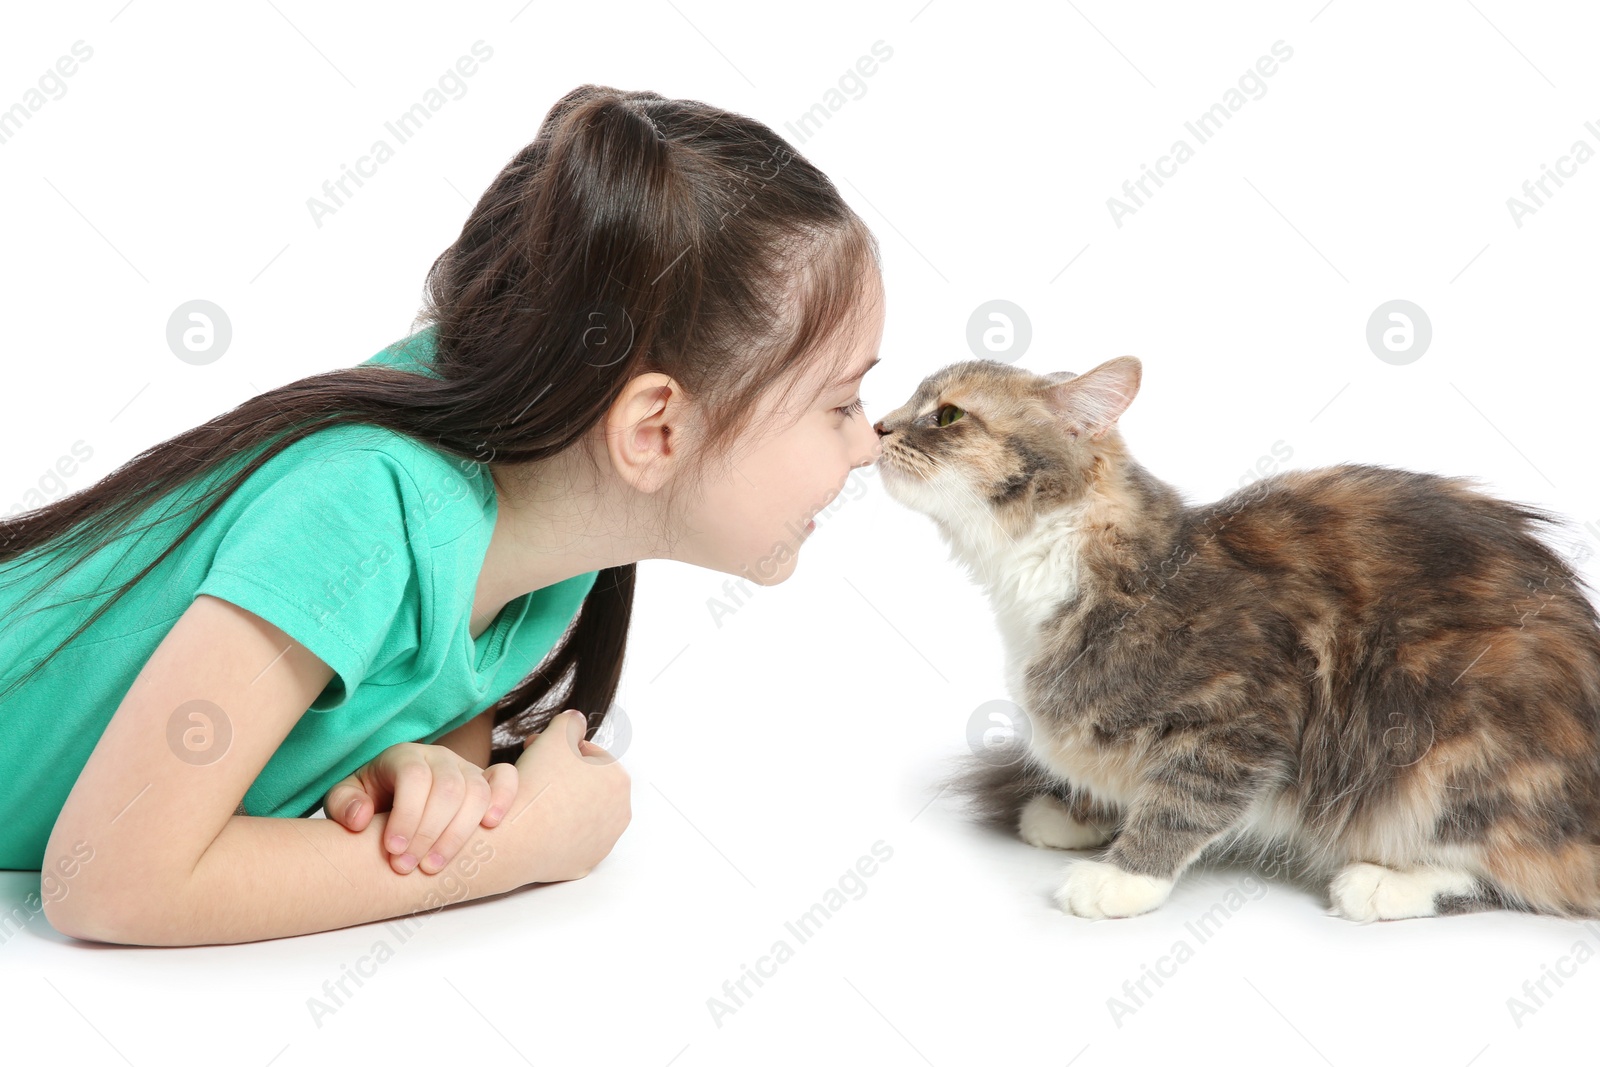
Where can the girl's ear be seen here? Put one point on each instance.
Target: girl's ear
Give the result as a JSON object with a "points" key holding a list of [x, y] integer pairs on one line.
{"points": [[1090, 403]]}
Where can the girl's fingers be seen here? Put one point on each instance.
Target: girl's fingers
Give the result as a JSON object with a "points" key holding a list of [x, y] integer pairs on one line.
{"points": [[413, 781], [445, 799], [502, 779], [461, 815]]}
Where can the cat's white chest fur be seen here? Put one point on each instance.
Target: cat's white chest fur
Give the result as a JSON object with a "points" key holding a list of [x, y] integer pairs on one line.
{"points": [[1028, 579]]}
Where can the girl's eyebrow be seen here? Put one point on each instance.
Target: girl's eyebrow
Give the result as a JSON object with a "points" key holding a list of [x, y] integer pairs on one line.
{"points": [[858, 375]]}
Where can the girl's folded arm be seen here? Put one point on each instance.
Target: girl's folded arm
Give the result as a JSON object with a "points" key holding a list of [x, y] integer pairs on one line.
{"points": [[158, 856]]}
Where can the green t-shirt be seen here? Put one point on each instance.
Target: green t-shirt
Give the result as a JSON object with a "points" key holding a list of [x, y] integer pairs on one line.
{"points": [[362, 544]]}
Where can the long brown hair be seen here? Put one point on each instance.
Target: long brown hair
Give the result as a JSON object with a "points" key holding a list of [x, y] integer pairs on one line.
{"points": [[634, 234]]}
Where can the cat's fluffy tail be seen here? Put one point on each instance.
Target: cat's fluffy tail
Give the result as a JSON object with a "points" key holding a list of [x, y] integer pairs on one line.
{"points": [[997, 783]]}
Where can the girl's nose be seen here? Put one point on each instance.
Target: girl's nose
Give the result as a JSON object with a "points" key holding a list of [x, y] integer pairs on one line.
{"points": [[877, 445]]}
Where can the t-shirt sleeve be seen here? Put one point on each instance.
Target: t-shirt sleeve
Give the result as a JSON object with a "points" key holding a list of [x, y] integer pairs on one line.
{"points": [[323, 553]]}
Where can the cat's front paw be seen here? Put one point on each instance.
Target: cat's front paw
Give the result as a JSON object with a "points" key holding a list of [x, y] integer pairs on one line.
{"points": [[1098, 890], [1046, 823]]}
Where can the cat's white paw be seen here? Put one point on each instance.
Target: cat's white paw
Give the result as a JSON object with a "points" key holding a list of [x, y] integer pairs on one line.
{"points": [[1046, 823], [1365, 892], [1099, 890]]}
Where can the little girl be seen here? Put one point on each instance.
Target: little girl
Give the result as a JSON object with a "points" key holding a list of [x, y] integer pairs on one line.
{"points": [[645, 344]]}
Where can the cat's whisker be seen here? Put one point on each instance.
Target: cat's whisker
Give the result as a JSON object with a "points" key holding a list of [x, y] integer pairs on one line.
{"points": [[932, 477], [982, 509]]}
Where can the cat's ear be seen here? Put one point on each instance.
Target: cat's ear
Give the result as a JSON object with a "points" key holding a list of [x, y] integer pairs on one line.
{"points": [[1091, 403]]}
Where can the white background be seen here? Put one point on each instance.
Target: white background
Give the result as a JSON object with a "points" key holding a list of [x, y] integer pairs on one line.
{"points": [[770, 752]]}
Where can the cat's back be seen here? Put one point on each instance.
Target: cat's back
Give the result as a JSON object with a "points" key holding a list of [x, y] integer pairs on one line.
{"points": [[1379, 526], [1355, 495], [1359, 558]]}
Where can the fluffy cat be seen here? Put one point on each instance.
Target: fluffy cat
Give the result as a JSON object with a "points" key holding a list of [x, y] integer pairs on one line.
{"points": [[1385, 677]]}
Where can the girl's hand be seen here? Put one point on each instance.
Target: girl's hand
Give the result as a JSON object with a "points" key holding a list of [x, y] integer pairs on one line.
{"points": [[435, 799], [579, 795]]}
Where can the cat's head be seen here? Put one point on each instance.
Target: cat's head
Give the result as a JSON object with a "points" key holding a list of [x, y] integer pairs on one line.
{"points": [[983, 445]]}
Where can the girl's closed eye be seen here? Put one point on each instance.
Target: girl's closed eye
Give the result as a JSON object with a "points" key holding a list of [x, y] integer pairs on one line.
{"points": [[854, 407]]}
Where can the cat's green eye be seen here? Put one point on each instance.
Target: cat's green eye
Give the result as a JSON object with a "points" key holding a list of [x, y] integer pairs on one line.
{"points": [[950, 409]]}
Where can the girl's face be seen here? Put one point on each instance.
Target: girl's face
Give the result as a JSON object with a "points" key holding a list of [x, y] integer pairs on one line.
{"points": [[753, 521]]}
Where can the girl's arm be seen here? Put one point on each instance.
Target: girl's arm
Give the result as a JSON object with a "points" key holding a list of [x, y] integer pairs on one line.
{"points": [[266, 877], [147, 849]]}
